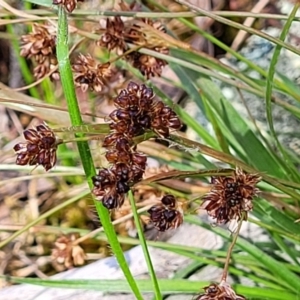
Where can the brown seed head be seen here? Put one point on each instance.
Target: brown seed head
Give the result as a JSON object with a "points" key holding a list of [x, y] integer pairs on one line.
{"points": [[39, 43], [223, 291], [113, 38], [89, 74], [111, 185], [39, 149], [42, 69], [137, 34], [64, 252], [69, 5], [230, 196], [166, 215], [163, 119], [137, 111], [149, 66]]}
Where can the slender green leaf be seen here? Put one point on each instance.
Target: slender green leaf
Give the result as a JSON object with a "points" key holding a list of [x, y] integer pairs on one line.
{"points": [[288, 163], [188, 85], [167, 286], [256, 153]]}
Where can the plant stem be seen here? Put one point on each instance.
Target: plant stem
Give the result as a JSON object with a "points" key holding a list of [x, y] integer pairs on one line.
{"points": [[235, 236], [83, 147], [142, 239]]}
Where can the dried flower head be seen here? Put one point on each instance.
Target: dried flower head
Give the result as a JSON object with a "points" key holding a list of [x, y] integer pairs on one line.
{"points": [[230, 196], [90, 74], [137, 112], [223, 291], [110, 186], [70, 5], [114, 36], [39, 149], [119, 33], [40, 45], [49, 64], [167, 214], [163, 119], [148, 65], [66, 253]]}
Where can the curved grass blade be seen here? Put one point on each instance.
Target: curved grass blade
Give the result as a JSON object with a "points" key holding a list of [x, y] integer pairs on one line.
{"points": [[240, 131], [269, 83]]}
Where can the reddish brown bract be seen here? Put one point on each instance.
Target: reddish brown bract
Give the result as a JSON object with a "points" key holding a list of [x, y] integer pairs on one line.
{"points": [[230, 196], [40, 148]]}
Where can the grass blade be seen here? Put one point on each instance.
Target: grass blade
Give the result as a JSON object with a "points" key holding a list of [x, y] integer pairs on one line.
{"points": [[269, 83], [167, 286]]}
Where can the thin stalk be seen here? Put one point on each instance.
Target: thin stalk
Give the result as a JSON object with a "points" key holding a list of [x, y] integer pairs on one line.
{"points": [[83, 147], [230, 249], [142, 239], [165, 15]]}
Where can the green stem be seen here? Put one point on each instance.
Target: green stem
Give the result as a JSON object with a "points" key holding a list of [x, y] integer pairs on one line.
{"points": [[83, 147], [230, 249], [140, 231]]}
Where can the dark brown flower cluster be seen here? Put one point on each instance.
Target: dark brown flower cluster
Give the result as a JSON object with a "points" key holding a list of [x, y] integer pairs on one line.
{"points": [[166, 214], [66, 252], [90, 74], [69, 5], [231, 196], [223, 291], [40, 45], [119, 33], [39, 149], [136, 112]]}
